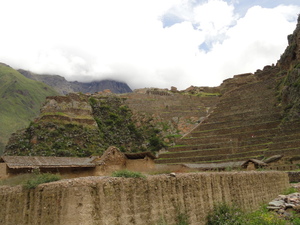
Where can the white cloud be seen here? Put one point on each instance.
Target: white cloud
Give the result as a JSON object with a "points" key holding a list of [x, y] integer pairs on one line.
{"points": [[127, 40], [257, 40], [214, 18]]}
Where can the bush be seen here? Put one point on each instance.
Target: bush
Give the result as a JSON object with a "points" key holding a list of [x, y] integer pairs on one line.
{"points": [[40, 179], [127, 174], [224, 214]]}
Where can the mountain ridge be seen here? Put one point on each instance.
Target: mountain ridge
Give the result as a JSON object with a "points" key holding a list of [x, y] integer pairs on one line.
{"points": [[62, 86]]}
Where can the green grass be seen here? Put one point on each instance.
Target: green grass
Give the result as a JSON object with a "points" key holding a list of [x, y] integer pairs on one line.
{"points": [[16, 180], [290, 190], [20, 100], [30, 180], [224, 214], [41, 179], [127, 174]]}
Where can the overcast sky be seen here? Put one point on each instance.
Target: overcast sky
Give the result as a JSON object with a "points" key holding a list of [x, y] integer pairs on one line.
{"points": [[145, 43]]}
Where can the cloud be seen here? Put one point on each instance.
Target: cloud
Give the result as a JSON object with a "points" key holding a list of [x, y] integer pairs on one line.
{"points": [[144, 43]]}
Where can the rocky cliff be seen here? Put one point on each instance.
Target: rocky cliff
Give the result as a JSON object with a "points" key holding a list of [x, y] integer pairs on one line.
{"points": [[122, 201], [289, 77]]}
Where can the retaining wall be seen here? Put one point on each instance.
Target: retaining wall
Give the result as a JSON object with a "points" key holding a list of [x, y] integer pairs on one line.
{"points": [[109, 201]]}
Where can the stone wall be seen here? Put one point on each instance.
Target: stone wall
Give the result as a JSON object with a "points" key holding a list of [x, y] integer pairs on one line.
{"points": [[140, 165], [3, 170], [108, 200], [294, 176]]}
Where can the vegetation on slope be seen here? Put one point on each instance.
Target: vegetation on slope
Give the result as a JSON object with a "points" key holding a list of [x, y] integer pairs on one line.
{"points": [[20, 100], [127, 174], [289, 94], [115, 127], [55, 139], [289, 77]]}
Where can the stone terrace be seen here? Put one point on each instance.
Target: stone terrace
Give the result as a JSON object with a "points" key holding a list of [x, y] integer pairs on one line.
{"points": [[183, 110], [245, 124]]}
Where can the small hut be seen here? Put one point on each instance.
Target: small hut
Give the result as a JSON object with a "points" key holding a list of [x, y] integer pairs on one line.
{"points": [[253, 164]]}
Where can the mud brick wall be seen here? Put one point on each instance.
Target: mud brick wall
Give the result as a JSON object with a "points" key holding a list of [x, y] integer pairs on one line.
{"points": [[108, 200]]}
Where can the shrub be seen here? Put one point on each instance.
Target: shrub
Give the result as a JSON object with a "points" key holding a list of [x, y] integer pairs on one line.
{"points": [[127, 174], [40, 179], [224, 214]]}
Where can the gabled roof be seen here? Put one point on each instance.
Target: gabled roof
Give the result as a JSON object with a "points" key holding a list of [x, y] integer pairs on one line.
{"points": [[16, 162], [255, 161], [139, 155]]}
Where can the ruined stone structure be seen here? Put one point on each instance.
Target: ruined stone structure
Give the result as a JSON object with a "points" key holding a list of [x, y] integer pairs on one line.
{"points": [[72, 108], [137, 201]]}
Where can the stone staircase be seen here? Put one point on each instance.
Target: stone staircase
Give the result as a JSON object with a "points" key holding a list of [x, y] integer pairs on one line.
{"points": [[245, 124]]}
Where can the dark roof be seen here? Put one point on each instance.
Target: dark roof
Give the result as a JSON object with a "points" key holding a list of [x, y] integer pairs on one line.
{"points": [[139, 155], [255, 161], [46, 162]]}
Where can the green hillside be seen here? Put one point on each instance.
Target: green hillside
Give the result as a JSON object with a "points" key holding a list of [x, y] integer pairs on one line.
{"points": [[20, 100]]}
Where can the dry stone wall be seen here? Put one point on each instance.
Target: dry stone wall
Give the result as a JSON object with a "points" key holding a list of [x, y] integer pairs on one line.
{"points": [[108, 200]]}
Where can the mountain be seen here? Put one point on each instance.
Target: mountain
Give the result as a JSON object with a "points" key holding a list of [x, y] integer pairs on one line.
{"points": [[61, 85], [20, 100], [252, 116], [98, 86]]}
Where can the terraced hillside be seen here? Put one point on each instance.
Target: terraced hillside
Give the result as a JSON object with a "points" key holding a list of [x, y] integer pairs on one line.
{"points": [[257, 117], [241, 127], [179, 112]]}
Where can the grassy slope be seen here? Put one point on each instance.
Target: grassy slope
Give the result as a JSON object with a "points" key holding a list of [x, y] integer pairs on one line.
{"points": [[20, 101]]}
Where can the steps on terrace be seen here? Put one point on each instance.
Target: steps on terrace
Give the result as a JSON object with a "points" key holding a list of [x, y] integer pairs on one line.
{"points": [[243, 125]]}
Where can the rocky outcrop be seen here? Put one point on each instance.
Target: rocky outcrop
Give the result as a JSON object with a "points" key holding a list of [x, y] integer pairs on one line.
{"points": [[137, 201], [291, 55], [285, 205]]}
